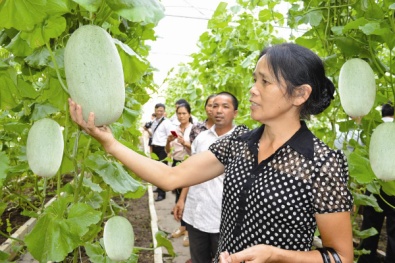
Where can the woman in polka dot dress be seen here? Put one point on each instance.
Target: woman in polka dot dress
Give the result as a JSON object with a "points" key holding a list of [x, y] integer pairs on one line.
{"points": [[281, 182]]}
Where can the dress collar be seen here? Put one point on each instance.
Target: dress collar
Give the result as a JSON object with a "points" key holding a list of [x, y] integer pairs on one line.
{"points": [[301, 141]]}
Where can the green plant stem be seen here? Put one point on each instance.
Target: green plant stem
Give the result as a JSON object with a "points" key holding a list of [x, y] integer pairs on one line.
{"points": [[145, 248], [385, 201], [45, 192], [10, 237], [56, 66], [23, 198], [81, 177], [105, 203]]}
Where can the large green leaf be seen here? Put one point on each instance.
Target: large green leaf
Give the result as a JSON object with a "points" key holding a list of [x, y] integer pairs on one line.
{"points": [[360, 169], [52, 28], [133, 65], [60, 229], [8, 90], [22, 14], [144, 11], [114, 174], [19, 47]]}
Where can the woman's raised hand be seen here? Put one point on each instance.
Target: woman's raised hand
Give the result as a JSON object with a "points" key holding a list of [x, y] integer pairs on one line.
{"points": [[102, 134]]}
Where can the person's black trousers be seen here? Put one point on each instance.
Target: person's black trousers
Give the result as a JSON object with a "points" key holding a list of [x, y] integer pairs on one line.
{"points": [[371, 218], [202, 245], [161, 153]]}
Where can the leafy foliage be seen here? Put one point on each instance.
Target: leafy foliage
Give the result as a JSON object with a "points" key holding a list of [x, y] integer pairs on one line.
{"points": [[33, 36]]}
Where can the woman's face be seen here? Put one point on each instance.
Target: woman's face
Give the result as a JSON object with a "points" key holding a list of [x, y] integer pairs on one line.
{"points": [[209, 109], [183, 115], [268, 97]]}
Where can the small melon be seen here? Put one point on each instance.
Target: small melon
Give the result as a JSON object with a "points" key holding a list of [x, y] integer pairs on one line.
{"points": [[94, 74], [357, 87], [44, 147], [382, 151], [118, 237]]}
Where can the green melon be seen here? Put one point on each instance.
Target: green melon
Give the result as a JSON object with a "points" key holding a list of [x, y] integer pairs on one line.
{"points": [[94, 74], [382, 151], [357, 87], [44, 147], [118, 237]]}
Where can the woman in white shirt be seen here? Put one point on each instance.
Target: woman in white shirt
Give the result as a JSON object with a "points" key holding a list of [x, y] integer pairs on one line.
{"points": [[179, 145]]}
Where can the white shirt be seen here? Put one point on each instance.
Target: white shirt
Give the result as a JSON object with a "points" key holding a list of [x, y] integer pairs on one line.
{"points": [[159, 137], [387, 119], [203, 204]]}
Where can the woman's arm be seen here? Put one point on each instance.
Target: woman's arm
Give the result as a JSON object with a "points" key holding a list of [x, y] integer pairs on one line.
{"points": [[194, 170], [335, 230]]}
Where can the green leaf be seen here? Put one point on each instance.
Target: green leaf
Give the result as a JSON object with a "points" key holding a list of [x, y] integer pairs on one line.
{"points": [[144, 11], [163, 241], [42, 33], [4, 164], [8, 91], [39, 58], [360, 169], [388, 187], [365, 233], [57, 7], [90, 5], [22, 14], [26, 90], [370, 28], [114, 174], [363, 199], [43, 110], [56, 234], [19, 47], [133, 65], [314, 18]]}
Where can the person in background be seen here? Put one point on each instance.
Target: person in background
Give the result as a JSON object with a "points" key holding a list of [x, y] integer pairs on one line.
{"points": [[180, 149], [372, 218], [281, 182], [207, 123], [200, 205], [147, 128], [161, 129], [174, 118]]}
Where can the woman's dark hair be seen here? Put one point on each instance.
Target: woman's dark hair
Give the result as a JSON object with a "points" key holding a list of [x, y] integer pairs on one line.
{"points": [[208, 98], [298, 65], [188, 108]]}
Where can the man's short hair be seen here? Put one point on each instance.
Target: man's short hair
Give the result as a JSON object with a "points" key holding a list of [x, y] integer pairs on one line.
{"points": [[235, 102], [387, 110], [158, 105]]}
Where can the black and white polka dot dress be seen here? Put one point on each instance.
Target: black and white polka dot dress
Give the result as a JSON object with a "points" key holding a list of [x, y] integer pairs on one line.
{"points": [[274, 202]]}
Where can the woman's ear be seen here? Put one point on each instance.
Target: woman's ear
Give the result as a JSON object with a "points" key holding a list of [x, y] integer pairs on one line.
{"points": [[301, 94]]}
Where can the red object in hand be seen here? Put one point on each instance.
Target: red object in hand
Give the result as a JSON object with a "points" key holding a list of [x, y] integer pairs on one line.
{"points": [[174, 133]]}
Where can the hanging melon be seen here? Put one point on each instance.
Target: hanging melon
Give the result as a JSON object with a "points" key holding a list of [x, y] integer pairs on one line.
{"points": [[357, 87], [118, 237], [382, 151], [94, 74], [44, 147]]}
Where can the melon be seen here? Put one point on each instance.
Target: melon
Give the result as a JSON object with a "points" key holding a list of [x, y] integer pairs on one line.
{"points": [[357, 87], [118, 237], [94, 74], [382, 151], [44, 147]]}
